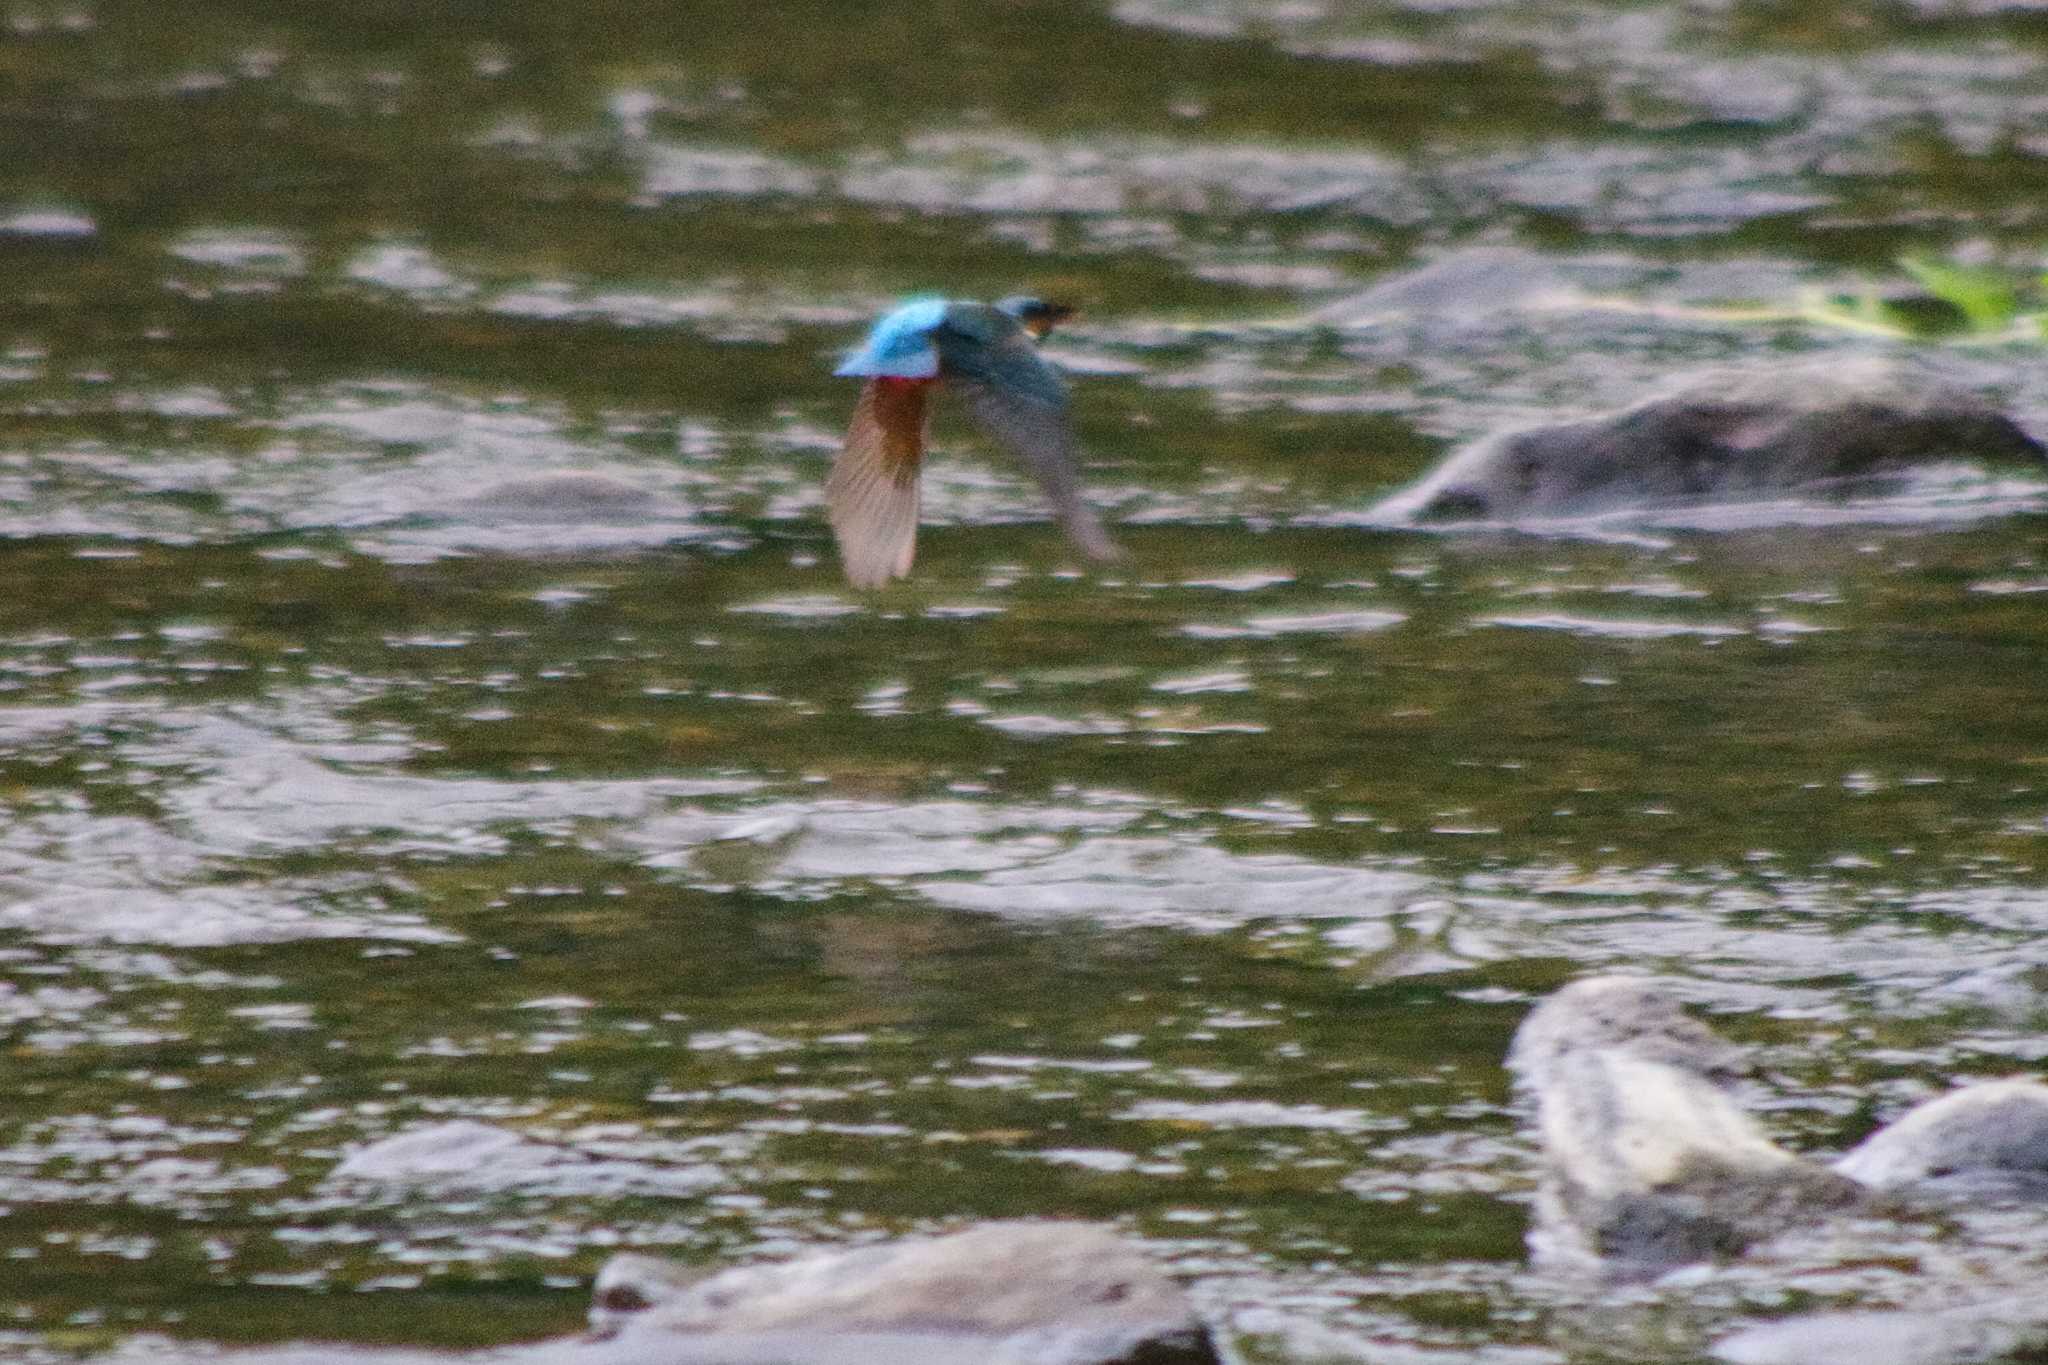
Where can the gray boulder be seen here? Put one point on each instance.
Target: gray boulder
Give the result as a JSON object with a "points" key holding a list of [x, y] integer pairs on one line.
{"points": [[999, 1294], [1719, 436], [1987, 1140], [565, 495], [1648, 1160], [464, 1155], [1045, 1293], [1955, 1336], [1649, 1163], [1471, 281]]}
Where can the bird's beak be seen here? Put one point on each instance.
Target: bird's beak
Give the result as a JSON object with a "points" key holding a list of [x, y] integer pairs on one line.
{"points": [[1050, 317]]}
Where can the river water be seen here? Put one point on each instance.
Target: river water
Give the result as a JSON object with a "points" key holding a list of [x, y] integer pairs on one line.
{"points": [[348, 792]]}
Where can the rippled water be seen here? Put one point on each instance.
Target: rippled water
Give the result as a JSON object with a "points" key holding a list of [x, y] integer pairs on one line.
{"points": [[426, 691]]}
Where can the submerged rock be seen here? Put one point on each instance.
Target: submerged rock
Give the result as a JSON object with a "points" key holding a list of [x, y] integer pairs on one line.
{"points": [[566, 495], [462, 1154], [459, 1151], [1718, 436], [1472, 280]]}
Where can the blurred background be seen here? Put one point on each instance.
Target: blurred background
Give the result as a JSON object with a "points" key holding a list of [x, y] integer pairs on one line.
{"points": [[354, 781]]}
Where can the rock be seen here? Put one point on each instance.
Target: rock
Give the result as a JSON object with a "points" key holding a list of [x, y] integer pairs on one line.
{"points": [[1627, 1013], [565, 495], [631, 1282], [1471, 280], [1048, 1293], [1955, 1336], [1721, 435], [456, 1150], [462, 1154], [1984, 1140], [1648, 1161], [999, 1294]]}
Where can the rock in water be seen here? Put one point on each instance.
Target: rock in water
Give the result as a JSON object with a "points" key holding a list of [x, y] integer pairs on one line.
{"points": [[462, 1154], [1028, 1293], [1648, 1161], [564, 495], [998, 1294], [1472, 280], [632, 1282], [1958, 1336], [1719, 436], [1987, 1140]]}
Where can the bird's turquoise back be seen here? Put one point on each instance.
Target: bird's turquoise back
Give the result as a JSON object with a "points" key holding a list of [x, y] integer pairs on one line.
{"points": [[972, 341], [899, 345]]}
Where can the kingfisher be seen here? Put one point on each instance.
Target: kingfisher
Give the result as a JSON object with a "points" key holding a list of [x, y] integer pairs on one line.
{"points": [[984, 353]]}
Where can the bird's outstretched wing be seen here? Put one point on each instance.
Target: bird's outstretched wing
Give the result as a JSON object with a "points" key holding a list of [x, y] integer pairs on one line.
{"points": [[1019, 400], [872, 491]]}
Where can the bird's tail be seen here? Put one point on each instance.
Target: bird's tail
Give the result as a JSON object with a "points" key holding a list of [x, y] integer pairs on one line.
{"points": [[1084, 528]]}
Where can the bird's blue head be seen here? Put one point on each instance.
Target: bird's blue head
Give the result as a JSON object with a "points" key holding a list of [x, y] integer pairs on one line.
{"points": [[899, 345], [1034, 314]]}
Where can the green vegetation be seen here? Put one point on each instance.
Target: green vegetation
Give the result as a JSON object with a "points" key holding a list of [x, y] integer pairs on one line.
{"points": [[1953, 302]]}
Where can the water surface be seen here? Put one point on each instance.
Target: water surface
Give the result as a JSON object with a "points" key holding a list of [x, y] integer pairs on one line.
{"points": [[349, 791]]}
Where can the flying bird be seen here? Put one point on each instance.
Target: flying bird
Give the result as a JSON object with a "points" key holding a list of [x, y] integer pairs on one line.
{"points": [[983, 353]]}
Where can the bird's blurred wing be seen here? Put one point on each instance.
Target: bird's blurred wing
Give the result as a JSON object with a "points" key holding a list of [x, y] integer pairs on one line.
{"points": [[1031, 423], [872, 492]]}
